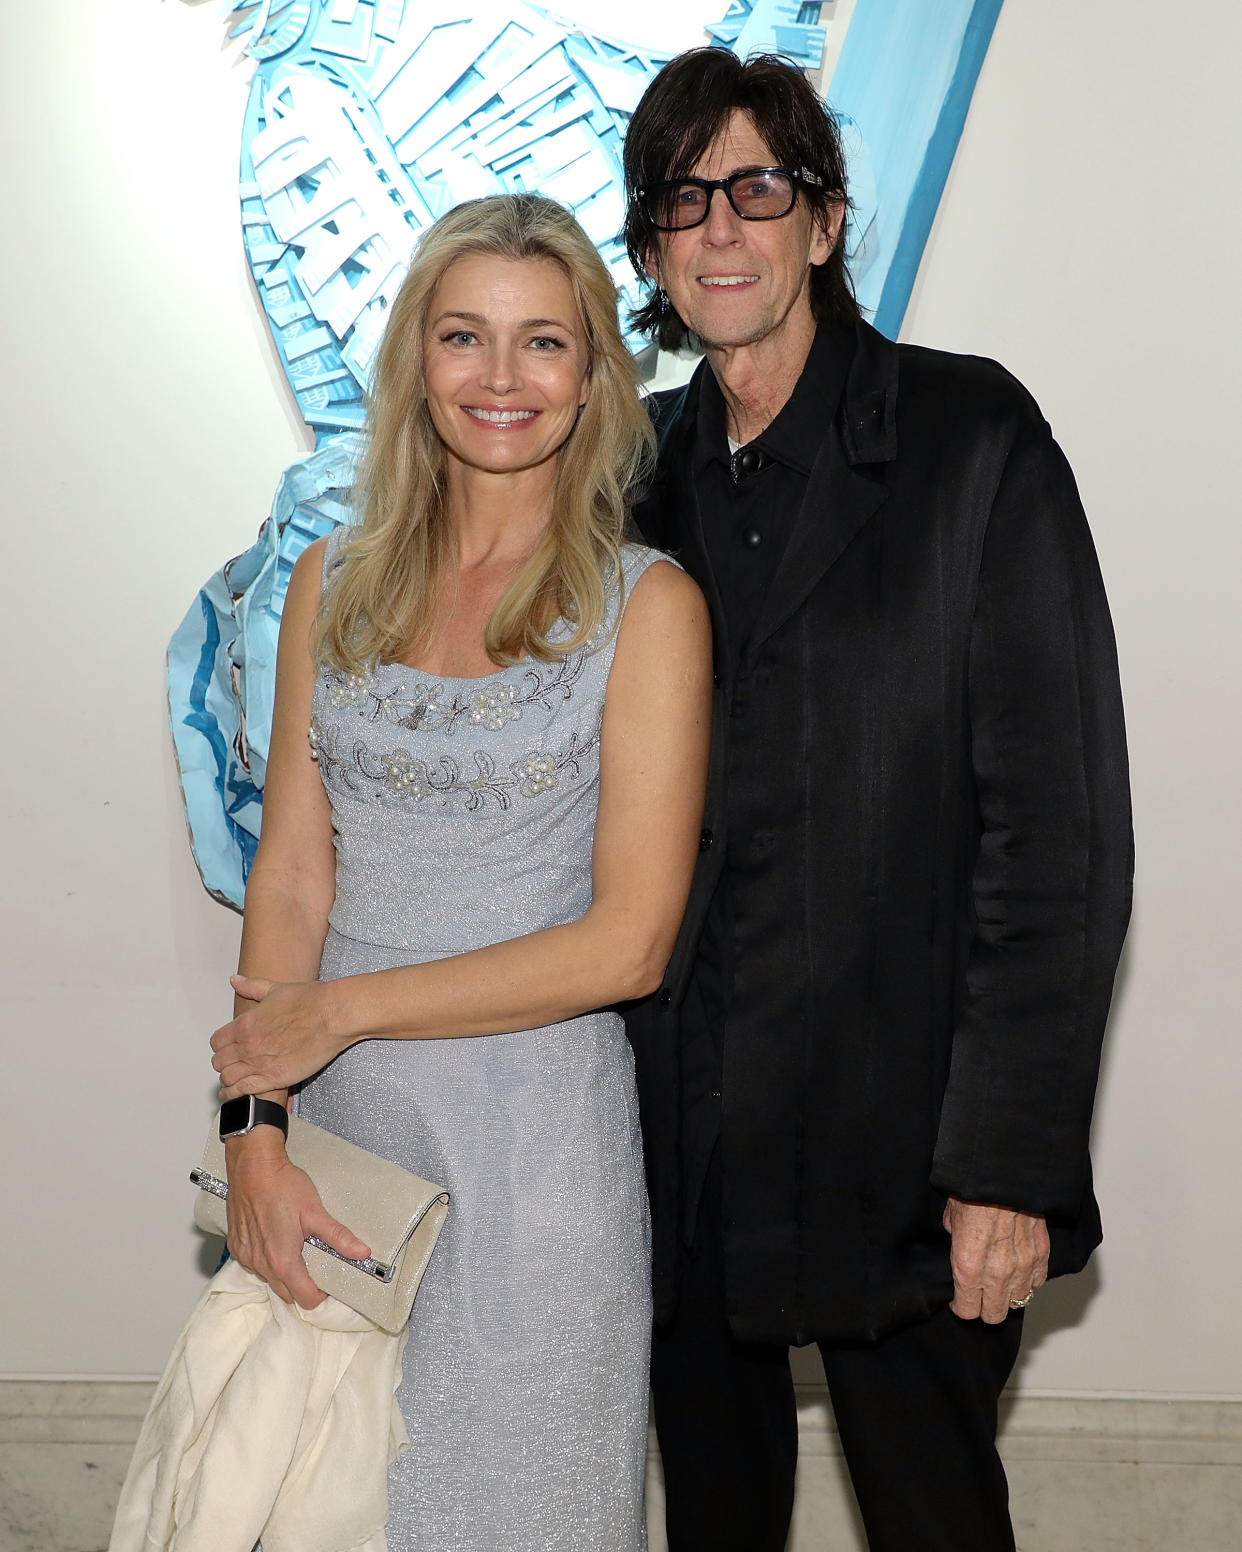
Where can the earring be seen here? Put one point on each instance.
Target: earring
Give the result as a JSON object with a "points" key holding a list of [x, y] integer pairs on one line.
{"points": [[663, 303]]}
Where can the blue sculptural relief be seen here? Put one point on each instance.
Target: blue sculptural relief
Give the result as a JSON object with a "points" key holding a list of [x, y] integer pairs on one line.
{"points": [[366, 120]]}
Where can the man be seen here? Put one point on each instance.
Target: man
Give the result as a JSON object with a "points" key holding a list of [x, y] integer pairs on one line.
{"points": [[868, 1078]]}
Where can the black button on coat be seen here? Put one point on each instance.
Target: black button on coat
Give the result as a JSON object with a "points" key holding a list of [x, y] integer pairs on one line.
{"points": [[926, 734]]}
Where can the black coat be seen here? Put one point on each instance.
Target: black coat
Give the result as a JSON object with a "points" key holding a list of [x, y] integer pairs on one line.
{"points": [[919, 776]]}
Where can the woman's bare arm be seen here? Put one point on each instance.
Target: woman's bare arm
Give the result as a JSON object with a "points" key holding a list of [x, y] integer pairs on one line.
{"points": [[653, 765], [272, 1205], [292, 883]]}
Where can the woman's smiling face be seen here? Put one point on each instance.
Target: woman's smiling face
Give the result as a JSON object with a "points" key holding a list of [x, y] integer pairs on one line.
{"points": [[505, 362]]}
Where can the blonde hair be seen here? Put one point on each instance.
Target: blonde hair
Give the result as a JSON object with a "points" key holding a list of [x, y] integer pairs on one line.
{"points": [[382, 597]]}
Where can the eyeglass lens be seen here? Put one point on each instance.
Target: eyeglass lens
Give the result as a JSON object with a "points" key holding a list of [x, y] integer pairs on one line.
{"points": [[756, 196]]}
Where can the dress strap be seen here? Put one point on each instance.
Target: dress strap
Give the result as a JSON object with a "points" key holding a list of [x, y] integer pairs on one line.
{"points": [[334, 549]]}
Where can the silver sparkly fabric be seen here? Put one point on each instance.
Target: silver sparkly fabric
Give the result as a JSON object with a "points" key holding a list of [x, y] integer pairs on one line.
{"points": [[464, 813]]}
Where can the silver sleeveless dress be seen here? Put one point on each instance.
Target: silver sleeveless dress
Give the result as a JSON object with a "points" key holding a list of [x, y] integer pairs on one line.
{"points": [[464, 812]]}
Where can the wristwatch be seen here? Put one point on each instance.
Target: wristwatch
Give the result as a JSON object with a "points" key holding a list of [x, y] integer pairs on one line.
{"points": [[239, 1116]]}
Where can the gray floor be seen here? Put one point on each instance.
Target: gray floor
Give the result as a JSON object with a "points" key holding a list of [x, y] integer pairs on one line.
{"points": [[1109, 1475], [59, 1498]]}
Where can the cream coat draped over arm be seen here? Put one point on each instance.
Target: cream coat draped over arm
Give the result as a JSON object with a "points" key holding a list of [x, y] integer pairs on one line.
{"points": [[269, 1422]]}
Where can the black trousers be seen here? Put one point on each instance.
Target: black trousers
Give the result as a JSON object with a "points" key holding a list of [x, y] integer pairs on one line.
{"points": [[916, 1414]]}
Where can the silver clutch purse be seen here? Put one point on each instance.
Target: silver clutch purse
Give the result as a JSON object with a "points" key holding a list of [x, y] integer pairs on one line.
{"points": [[397, 1214]]}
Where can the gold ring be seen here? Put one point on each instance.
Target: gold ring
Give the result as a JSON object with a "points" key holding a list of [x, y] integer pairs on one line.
{"points": [[1022, 1303]]}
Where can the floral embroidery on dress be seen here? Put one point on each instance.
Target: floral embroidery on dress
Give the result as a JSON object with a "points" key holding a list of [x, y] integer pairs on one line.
{"points": [[348, 689], [536, 773], [406, 776], [428, 708], [495, 705], [359, 733], [362, 770]]}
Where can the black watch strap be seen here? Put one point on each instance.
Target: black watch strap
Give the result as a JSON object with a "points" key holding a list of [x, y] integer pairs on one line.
{"points": [[239, 1116]]}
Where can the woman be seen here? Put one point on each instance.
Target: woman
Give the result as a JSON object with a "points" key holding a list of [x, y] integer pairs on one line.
{"points": [[490, 833]]}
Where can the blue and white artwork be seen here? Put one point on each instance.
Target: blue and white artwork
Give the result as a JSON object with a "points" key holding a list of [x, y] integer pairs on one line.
{"points": [[367, 119]]}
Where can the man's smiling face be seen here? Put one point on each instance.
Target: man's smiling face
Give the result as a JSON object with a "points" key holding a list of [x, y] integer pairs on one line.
{"points": [[736, 282]]}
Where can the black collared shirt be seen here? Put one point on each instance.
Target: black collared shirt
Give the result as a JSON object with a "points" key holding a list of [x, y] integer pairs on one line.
{"points": [[750, 503], [750, 499]]}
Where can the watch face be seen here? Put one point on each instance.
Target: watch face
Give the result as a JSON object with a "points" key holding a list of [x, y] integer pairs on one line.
{"points": [[236, 1116]]}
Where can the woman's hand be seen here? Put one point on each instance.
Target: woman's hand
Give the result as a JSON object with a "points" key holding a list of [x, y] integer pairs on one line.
{"points": [[280, 1041], [273, 1208]]}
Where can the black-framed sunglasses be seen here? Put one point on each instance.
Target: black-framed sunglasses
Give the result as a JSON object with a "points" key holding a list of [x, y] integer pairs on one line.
{"points": [[755, 193]]}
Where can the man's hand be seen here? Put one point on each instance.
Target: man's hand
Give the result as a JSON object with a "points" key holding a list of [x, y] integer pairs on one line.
{"points": [[283, 1039], [998, 1255]]}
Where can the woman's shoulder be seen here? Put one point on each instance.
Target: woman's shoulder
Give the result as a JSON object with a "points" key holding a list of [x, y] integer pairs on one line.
{"points": [[665, 586], [313, 570], [666, 574], [638, 559], [663, 618], [334, 545], [322, 556], [651, 588], [309, 571]]}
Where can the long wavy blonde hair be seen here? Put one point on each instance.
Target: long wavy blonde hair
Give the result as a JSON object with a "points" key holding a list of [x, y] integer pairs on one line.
{"points": [[381, 602]]}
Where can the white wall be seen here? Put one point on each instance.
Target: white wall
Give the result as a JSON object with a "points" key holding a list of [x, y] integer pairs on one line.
{"points": [[1087, 239], [144, 426]]}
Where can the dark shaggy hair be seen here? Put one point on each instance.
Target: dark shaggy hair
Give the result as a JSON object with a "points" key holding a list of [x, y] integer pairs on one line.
{"points": [[682, 114]]}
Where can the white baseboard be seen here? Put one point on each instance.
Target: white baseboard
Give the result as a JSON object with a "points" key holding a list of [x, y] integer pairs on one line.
{"points": [[1114, 1473], [1174, 1430], [77, 1410]]}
